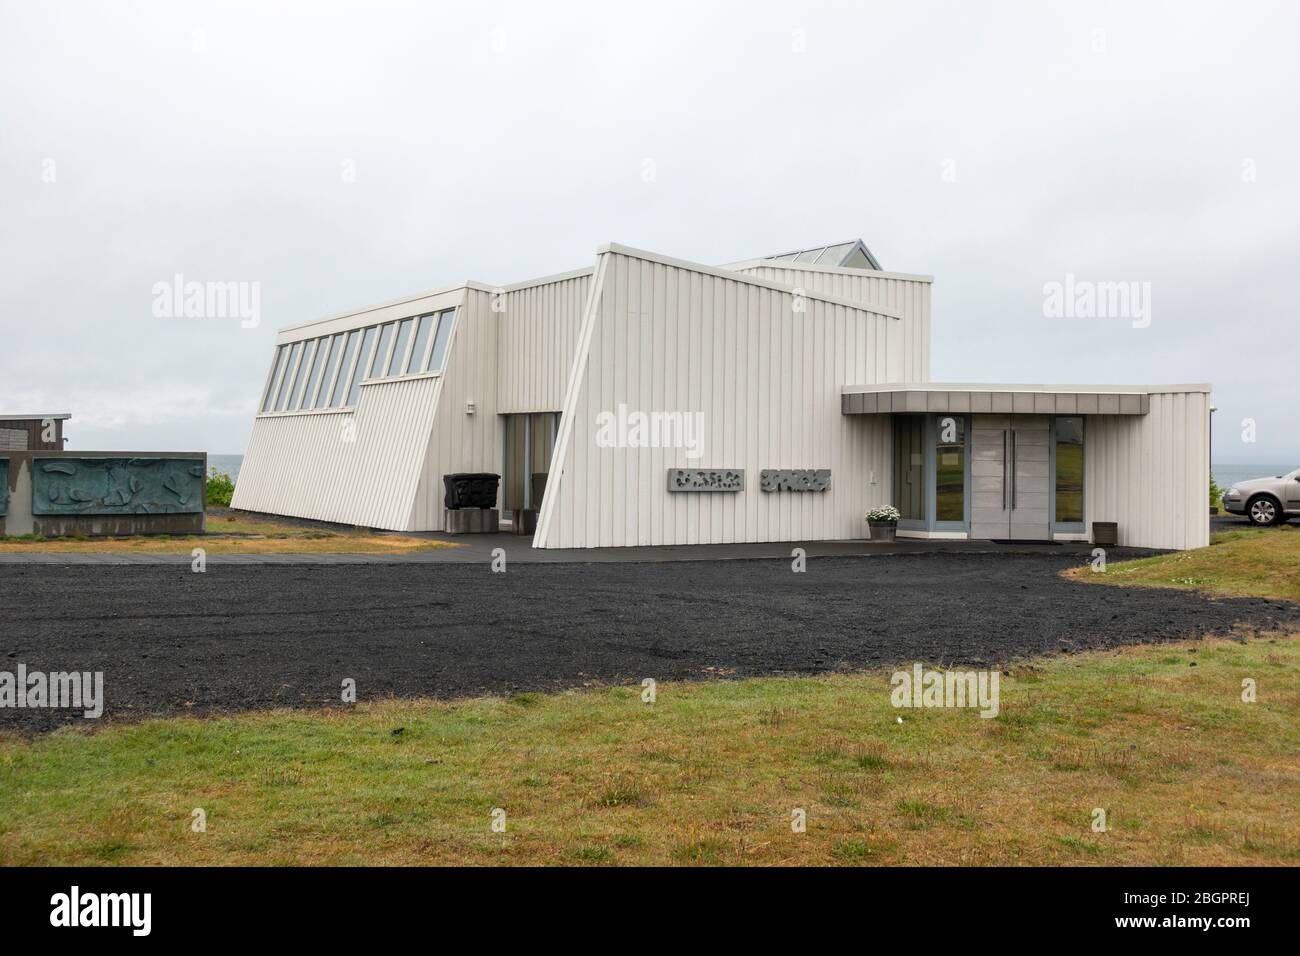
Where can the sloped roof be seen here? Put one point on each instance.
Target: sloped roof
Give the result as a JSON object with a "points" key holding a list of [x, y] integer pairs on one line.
{"points": [[852, 254]]}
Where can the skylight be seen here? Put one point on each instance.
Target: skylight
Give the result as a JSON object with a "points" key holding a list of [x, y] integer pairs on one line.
{"points": [[846, 255]]}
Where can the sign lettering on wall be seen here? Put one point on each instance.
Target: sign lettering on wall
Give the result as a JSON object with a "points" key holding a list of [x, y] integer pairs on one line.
{"points": [[706, 479], [794, 479]]}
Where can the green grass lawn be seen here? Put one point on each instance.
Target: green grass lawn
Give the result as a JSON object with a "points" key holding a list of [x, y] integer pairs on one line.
{"points": [[1158, 737], [1243, 563]]}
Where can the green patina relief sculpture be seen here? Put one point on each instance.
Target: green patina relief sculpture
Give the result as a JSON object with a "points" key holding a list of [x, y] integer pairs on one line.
{"points": [[4, 487], [116, 486]]}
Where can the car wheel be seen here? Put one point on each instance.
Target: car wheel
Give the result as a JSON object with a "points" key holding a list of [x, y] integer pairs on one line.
{"points": [[1263, 512]]}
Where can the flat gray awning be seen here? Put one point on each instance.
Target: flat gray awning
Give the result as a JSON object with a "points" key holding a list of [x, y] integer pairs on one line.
{"points": [[1004, 399]]}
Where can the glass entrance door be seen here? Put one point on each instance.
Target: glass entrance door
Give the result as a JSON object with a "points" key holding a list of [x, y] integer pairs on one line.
{"points": [[909, 470], [529, 442], [998, 477]]}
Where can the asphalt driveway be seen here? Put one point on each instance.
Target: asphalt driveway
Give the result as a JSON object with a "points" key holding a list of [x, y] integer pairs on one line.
{"points": [[170, 641]]}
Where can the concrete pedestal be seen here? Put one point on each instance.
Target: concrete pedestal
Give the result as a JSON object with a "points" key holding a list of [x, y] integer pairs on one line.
{"points": [[472, 521]]}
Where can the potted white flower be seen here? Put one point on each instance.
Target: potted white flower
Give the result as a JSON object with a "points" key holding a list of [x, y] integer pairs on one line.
{"points": [[883, 522]]}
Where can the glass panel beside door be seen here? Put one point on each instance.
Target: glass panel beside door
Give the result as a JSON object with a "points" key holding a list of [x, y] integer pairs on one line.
{"points": [[909, 470], [930, 472], [1067, 474], [950, 471]]}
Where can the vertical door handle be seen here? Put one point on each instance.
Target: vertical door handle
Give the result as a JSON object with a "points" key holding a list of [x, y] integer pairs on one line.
{"points": [[1013, 469], [1004, 469]]}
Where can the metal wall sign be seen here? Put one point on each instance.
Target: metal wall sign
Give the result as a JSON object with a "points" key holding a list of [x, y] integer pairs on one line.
{"points": [[706, 479], [794, 479]]}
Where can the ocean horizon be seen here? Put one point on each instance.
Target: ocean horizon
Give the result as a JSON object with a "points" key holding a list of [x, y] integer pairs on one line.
{"points": [[226, 463]]}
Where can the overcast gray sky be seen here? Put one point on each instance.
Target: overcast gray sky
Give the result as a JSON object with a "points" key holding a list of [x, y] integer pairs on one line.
{"points": [[345, 153]]}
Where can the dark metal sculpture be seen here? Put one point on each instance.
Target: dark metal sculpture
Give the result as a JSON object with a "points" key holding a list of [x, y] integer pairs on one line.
{"points": [[794, 479], [116, 486], [706, 479], [470, 490]]}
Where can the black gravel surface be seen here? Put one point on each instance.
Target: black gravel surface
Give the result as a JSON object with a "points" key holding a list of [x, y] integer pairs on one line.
{"points": [[236, 637]]}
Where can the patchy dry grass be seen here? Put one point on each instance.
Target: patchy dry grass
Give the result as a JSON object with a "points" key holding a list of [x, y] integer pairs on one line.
{"points": [[708, 774], [233, 532], [1244, 563]]}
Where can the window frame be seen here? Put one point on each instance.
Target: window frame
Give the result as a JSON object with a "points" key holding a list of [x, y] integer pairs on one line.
{"points": [[369, 339], [447, 316], [383, 349], [306, 373], [401, 348], [1068, 527], [932, 476], [929, 520], [284, 393], [416, 361], [347, 363], [311, 388], [304, 370], [277, 369], [330, 372]]}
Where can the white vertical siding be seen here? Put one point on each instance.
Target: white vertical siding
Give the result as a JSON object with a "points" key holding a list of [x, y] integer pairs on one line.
{"points": [[537, 336], [909, 296], [1151, 473], [304, 466], [662, 336], [460, 441]]}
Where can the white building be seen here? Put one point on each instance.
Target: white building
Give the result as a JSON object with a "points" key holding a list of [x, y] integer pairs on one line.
{"points": [[611, 397]]}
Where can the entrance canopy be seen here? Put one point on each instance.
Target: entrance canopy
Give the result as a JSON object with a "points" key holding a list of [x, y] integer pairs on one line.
{"points": [[898, 398]]}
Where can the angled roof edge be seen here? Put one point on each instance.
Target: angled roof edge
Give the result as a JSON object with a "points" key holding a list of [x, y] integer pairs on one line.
{"points": [[443, 290], [546, 280], [728, 270], [839, 270], [375, 307], [33, 417], [722, 273]]}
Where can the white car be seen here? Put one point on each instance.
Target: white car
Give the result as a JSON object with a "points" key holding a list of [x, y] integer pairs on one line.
{"points": [[1265, 501]]}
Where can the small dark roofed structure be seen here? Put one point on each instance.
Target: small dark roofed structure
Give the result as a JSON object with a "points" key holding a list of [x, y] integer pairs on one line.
{"points": [[29, 432]]}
